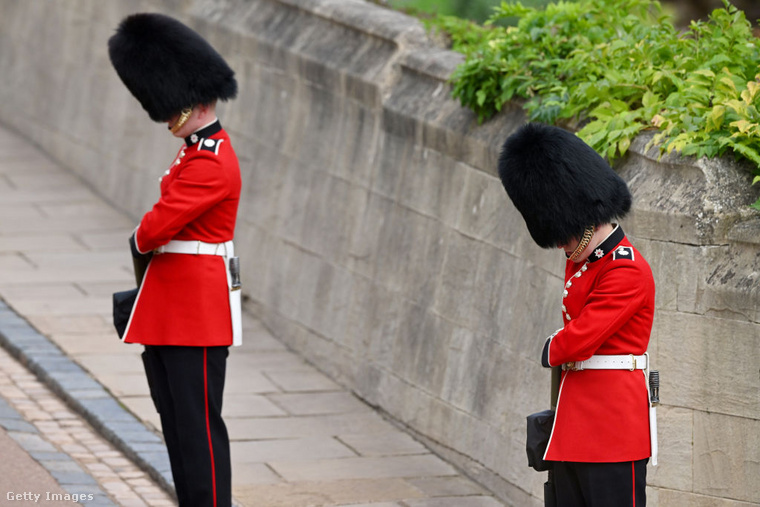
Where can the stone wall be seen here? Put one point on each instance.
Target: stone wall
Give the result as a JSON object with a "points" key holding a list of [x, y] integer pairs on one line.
{"points": [[377, 241]]}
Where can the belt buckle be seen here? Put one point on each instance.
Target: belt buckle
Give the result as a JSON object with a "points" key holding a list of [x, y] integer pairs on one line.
{"points": [[633, 362], [572, 366]]}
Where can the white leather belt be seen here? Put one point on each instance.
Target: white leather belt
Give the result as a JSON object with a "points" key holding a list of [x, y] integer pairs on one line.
{"points": [[197, 248], [627, 362], [226, 250]]}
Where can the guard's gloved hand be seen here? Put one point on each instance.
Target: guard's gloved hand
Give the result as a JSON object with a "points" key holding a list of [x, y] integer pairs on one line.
{"points": [[545, 351], [135, 252], [140, 260]]}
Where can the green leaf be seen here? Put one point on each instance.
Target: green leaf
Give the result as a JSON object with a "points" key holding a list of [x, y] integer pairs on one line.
{"points": [[623, 145], [650, 99], [715, 118]]}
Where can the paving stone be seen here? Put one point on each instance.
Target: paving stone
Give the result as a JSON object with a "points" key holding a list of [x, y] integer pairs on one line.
{"points": [[363, 468], [6, 411], [294, 427], [124, 384], [17, 425], [318, 403], [68, 472], [457, 501], [446, 486], [50, 456], [383, 444], [301, 380], [252, 382], [254, 473], [249, 405], [78, 381], [32, 442], [323, 493], [302, 449], [83, 344]]}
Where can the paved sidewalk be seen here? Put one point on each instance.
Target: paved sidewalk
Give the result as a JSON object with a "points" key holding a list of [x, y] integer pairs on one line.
{"points": [[298, 439], [50, 455]]}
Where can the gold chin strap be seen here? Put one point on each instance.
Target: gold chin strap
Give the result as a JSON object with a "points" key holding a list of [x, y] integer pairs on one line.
{"points": [[588, 233], [183, 117]]}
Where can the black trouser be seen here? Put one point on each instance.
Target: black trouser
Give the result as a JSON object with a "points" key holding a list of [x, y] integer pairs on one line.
{"points": [[601, 484], [187, 384]]}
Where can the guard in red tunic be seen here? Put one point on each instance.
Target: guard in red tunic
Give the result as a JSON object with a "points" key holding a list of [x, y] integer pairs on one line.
{"points": [[569, 197], [186, 312]]}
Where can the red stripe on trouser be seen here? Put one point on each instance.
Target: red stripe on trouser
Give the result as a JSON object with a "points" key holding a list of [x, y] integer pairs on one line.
{"points": [[633, 483], [208, 422]]}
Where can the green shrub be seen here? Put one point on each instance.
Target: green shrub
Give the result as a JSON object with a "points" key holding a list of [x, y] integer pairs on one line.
{"points": [[612, 68], [476, 10]]}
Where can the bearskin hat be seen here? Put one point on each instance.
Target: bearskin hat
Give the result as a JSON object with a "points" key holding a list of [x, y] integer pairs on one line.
{"points": [[168, 66], [559, 184]]}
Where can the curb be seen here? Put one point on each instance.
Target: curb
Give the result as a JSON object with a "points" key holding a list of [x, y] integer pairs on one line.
{"points": [[86, 396]]}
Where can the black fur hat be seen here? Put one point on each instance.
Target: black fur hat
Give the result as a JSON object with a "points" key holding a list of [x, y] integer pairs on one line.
{"points": [[168, 66], [559, 184]]}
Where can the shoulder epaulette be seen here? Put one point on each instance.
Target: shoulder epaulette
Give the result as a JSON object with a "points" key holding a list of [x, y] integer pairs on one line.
{"points": [[623, 253], [211, 145]]}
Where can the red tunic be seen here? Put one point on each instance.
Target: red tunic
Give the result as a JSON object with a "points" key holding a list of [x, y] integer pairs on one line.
{"points": [[603, 415], [184, 299]]}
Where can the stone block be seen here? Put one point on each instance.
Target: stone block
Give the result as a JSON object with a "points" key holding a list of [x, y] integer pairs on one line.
{"points": [[333, 210], [388, 169], [252, 381], [264, 172], [376, 492], [676, 498], [316, 111], [675, 427], [319, 403], [433, 185], [458, 501], [358, 129], [372, 326], [301, 380], [726, 456], [363, 468], [703, 373], [446, 486], [367, 242], [298, 180], [255, 247], [306, 426], [728, 287], [410, 254], [321, 293], [420, 348], [489, 215], [457, 293], [384, 444], [290, 450], [246, 405]]}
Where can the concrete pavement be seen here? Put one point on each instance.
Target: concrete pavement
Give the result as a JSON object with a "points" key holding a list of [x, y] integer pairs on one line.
{"points": [[298, 439]]}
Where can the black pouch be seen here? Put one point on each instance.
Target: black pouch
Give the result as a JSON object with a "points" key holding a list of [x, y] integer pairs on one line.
{"points": [[539, 430], [122, 308]]}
